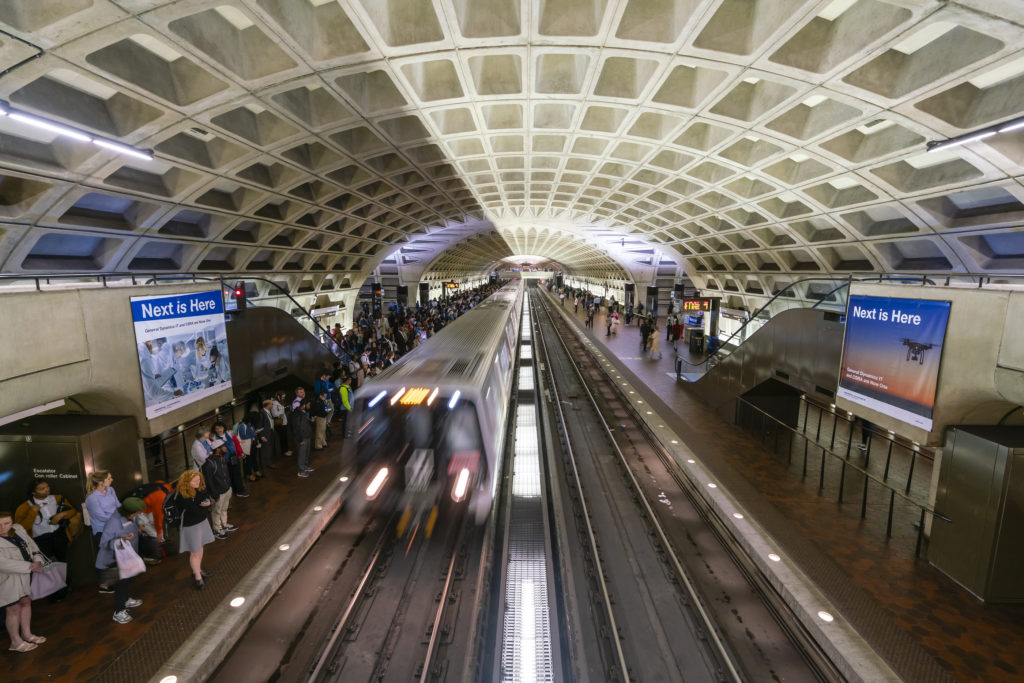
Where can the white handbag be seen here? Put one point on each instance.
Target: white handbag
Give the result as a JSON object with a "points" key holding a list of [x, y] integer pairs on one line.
{"points": [[129, 563], [53, 578]]}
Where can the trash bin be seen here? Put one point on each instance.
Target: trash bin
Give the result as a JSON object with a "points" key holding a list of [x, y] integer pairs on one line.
{"points": [[696, 341], [714, 343]]}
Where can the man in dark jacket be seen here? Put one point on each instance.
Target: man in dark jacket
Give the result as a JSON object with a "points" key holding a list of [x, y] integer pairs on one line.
{"points": [[320, 411], [266, 440], [218, 483], [302, 429]]}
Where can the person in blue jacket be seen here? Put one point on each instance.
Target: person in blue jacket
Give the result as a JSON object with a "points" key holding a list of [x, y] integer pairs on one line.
{"points": [[120, 528]]}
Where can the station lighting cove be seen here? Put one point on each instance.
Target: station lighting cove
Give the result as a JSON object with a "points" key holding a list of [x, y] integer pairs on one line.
{"points": [[996, 129], [72, 133]]}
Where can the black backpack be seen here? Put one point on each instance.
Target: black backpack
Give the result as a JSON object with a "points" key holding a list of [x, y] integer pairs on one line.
{"points": [[172, 513], [146, 489]]}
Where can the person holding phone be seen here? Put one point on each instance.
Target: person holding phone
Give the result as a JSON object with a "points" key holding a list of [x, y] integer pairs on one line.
{"points": [[194, 501]]}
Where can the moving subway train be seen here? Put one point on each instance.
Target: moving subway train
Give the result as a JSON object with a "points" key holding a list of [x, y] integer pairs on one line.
{"points": [[433, 424]]}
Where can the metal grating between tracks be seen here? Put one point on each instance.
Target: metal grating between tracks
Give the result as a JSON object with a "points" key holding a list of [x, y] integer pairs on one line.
{"points": [[526, 655]]}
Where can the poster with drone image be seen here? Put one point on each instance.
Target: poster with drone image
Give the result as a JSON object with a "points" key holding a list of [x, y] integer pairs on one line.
{"points": [[183, 349], [891, 356]]}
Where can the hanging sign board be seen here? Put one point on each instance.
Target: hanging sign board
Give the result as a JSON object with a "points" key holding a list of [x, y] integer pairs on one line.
{"points": [[183, 349], [891, 356]]}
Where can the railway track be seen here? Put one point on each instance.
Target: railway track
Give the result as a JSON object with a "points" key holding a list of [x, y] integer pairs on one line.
{"points": [[394, 625], [661, 564]]}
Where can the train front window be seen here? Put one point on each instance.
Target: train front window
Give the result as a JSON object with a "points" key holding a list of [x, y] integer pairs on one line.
{"points": [[393, 432]]}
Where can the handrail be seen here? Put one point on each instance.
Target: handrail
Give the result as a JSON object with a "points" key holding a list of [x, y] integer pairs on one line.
{"points": [[721, 351], [923, 279], [868, 476], [156, 278]]}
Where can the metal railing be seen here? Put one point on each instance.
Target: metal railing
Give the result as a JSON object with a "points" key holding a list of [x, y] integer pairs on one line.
{"points": [[41, 283], [802, 293], [176, 446], [770, 428]]}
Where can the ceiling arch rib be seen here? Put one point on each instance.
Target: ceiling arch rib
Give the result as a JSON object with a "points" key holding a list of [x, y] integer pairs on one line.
{"points": [[754, 150]]}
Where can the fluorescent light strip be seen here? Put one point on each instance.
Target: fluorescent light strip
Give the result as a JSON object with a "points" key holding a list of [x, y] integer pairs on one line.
{"points": [[124, 149], [52, 127], [68, 132]]}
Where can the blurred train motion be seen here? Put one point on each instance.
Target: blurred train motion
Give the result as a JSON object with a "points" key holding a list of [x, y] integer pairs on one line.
{"points": [[434, 424]]}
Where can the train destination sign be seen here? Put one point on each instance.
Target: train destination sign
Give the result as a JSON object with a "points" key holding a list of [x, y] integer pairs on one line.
{"points": [[694, 305]]}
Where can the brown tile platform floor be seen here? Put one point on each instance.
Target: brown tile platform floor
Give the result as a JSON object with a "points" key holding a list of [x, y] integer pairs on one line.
{"points": [[85, 644], [924, 625]]}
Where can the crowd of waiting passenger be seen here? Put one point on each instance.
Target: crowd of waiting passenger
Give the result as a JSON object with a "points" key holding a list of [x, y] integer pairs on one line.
{"points": [[646, 321], [131, 532]]}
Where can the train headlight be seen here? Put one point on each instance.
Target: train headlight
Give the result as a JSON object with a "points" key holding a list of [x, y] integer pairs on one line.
{"points": [[377, 484], [461, 485]]}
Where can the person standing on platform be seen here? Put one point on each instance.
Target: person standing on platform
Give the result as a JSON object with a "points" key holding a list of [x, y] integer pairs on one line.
{"points": [[670, 326], [645, 333], [194, 502], [218, 482], [654, 341], [344, 403], [615, 322], [324, 384], [121, 528], [50, 519], [233, 457], [281, 425], [302, 433], [319, 414], [576, 304], [266, 437], [100, 504], [200, 446], [19, 559]]}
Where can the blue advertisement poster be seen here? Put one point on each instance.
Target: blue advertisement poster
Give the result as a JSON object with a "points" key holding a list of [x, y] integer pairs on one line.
{"points": [[891, 356], [183, 349]]}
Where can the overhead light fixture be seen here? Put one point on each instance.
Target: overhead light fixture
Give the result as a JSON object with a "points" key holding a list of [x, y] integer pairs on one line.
{"points": [[987, 132], [69, 132], [48, 126], [124, 149]]}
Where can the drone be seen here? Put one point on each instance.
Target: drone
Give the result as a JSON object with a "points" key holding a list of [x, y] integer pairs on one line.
{"points": [[915, 350]]}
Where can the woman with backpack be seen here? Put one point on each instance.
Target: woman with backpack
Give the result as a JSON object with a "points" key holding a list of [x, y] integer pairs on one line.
{"points": [[193, 503]]}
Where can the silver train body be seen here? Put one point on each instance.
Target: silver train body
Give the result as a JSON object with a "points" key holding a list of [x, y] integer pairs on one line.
{"points": [[434, 424]]}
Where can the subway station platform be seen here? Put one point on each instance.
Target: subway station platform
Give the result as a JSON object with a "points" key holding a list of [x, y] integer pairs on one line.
{"points": [[920, 622], [85, 644]]}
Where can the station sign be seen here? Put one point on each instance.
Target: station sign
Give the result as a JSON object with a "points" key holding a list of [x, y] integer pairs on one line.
{"points": [[451, 285], [704, 305]]}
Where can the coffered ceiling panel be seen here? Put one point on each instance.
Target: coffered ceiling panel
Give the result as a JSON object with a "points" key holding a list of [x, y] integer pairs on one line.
{"points": [[747, 141]]}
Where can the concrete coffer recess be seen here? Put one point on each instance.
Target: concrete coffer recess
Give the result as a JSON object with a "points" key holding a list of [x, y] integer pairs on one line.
{"points": [[981, 489]]}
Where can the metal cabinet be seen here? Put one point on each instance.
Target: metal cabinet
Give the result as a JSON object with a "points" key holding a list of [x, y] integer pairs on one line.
{"points": [[981, 489], [65, 450]]}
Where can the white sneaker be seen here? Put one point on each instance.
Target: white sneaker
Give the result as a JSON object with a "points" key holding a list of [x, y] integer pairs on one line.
{"points": [[122, 617], [862, 447], [132, 602]]}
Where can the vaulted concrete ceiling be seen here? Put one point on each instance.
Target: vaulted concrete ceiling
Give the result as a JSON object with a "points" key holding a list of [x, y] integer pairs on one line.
{"points": [[751, 141]]}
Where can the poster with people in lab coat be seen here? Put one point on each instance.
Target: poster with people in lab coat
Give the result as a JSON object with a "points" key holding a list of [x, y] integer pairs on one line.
{"points": [[183, 349]]}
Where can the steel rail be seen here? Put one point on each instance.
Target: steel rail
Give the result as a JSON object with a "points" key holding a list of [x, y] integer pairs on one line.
{"points": [[591, 537], [681, 572], [357, 596], [432, 643]]}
